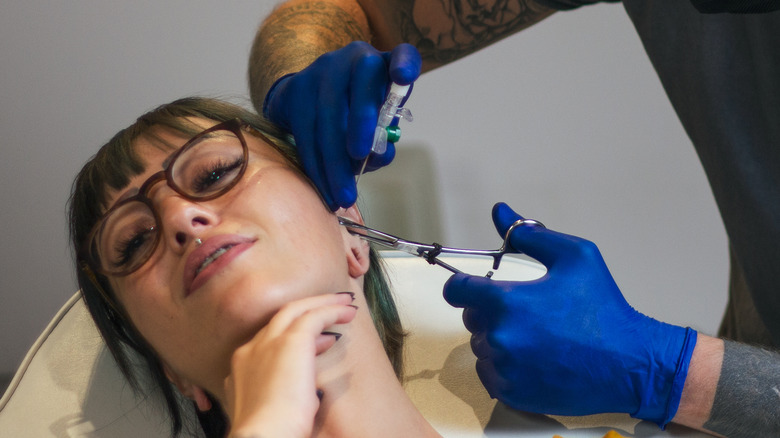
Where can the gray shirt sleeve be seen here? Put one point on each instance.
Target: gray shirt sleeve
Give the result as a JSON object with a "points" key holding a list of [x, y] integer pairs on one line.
{"points": [[706, 6]]}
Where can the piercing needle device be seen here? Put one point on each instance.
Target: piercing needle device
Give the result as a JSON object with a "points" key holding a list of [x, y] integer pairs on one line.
{"points": [[384, 132]]}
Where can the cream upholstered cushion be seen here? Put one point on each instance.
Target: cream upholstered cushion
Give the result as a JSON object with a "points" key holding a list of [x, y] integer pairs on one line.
{"points": [[69, 386]]}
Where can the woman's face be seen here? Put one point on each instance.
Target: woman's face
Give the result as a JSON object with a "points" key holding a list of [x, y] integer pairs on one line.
{"points": [[282, 244]]}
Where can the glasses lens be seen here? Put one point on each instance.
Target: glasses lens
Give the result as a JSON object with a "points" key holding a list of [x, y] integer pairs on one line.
{"points": [[127, 238], [210, 165]]}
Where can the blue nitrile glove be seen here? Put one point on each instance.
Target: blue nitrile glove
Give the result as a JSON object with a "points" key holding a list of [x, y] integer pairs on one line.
{"points": [[331, 108], [569, 343]]}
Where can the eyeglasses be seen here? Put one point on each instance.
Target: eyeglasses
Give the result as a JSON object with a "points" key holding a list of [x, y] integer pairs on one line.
{"points": [[206, 167]]}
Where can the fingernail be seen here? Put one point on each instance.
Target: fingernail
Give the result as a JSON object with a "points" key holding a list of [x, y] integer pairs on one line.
{"points": [[352, 294], [320, 394], [334, 334]]}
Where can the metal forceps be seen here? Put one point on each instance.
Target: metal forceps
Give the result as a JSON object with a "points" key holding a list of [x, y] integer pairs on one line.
{"points": [[429, 252]]}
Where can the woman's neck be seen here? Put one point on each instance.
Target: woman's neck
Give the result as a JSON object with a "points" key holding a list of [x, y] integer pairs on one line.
{"points": [[361, 393]]}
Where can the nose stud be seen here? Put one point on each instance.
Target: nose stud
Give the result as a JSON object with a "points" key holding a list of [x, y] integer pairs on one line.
{"points": [[198, 242]]}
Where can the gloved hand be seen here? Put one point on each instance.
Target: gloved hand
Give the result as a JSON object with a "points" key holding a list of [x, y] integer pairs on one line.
{"points": [[569, 343], [331, 108]]}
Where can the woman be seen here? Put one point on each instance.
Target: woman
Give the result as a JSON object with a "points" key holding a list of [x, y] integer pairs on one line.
{"points": [[233, 281]]}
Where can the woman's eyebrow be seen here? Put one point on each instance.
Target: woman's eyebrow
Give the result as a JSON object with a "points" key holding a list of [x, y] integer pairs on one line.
{"points": [[129, 193], [134, 191]]}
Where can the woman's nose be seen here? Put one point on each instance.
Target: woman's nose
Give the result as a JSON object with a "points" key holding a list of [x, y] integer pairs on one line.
{"points": [[182, 219]]}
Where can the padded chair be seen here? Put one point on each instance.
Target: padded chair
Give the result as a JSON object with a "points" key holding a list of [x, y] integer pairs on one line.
{"points": [[69, 386]]}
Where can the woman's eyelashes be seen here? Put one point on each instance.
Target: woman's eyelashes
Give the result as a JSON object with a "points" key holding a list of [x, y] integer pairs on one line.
{"points": [[128, 248], [212, 176]]}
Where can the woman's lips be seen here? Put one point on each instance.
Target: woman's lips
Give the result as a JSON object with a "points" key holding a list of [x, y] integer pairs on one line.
{"points": [[208, 259]]}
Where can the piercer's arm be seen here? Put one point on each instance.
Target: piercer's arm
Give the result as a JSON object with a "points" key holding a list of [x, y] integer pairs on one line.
{"points": [[732, 390], [299, 31], [296, 33]]}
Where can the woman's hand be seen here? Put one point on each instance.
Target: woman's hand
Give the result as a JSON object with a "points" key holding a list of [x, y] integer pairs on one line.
{"points": [[271, 389]]}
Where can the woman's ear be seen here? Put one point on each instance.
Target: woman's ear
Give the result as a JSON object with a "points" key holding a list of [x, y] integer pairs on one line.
{"points": [[357, 248], [188, 389]]}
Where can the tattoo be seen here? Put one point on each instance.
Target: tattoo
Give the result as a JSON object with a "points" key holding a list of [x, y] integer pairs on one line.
{"points": [[293, 37], [747, 399], [445, 30]]}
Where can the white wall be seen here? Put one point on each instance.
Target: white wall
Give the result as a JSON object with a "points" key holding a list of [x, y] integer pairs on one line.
{"points": [[567, 123]]}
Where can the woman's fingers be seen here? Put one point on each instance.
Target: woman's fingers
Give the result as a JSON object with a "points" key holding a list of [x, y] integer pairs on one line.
{"points": [[271, 388], [323, 311], [326, 340], [301, 328]]}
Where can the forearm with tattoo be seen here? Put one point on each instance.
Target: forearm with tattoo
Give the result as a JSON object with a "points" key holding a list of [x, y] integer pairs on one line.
{"points": [[447, 30], [299, 31], [747, 398]]}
